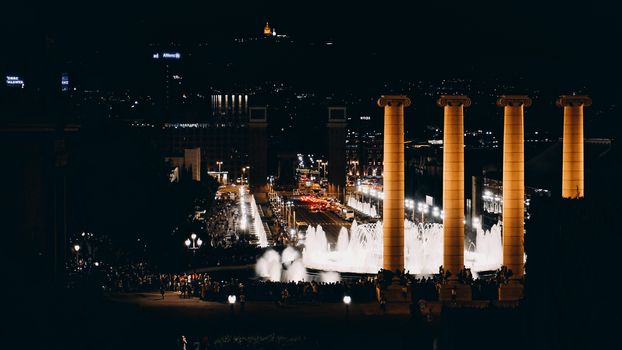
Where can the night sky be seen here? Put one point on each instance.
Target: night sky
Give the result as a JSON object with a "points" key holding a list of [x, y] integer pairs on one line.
{"points": [[459, 33], [556, 48]]}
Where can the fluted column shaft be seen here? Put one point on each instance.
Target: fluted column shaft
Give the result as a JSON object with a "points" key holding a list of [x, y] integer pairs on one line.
{"points": [[514, 182], [573, 184], [453, 182], [393, 181]]}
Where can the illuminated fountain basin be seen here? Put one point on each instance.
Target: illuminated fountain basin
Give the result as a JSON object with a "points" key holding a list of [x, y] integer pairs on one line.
{"points": [[360, 250], [288, 267]]}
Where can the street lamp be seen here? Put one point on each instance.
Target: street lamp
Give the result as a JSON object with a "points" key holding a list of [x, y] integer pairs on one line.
{"points": [[76, 248], [193, 243], [347, 300], [219, 163], [243, 173], [436, 212], [423, 208], [231, 299]]}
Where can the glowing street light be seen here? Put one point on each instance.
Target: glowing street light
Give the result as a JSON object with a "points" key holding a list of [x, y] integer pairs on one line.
{"points": [[423, 208], [231, 299], [346, 301], [193, 243], [76, 248], [436, 212], [244, 172]]}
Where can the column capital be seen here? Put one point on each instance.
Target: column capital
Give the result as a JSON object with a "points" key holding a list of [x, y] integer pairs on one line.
{"points": [[453, 100], [385, 100], [571, 100], [514, 100]]}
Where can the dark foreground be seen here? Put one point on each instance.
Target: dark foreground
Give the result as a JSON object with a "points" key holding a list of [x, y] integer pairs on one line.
{"points": [[71, 320], [144, 321]]}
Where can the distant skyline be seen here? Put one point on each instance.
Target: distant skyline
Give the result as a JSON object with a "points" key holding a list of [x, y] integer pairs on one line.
{"points": [[376, 49]]}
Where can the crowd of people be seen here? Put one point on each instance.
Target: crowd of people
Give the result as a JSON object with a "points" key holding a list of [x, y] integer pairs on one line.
{"points": [[131, 277], [222, 223], [138, 277], [205, 287]]}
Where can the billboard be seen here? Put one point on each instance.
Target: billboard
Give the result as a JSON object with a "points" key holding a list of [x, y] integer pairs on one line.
{"points": [[166, 55], [14, 81], [64, 82]]}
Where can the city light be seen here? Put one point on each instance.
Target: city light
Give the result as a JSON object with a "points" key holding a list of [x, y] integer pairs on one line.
{"points": [[76, 247], [347, 299], [231, 299], [13, 80]]}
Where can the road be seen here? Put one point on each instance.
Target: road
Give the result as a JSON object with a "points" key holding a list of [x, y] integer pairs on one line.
{"points": [[331, 223]]}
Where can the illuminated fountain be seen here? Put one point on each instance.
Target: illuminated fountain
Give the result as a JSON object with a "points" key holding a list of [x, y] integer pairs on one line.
{"points": [[285, 267], [367, 209], [289, 267], [360, 250]]}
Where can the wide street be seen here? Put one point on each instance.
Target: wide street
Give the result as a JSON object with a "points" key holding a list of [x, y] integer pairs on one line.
{"points": [[331, 223]]}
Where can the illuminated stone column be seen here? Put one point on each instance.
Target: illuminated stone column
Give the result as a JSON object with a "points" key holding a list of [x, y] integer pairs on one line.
{"points": [[453, 181], [393, 181], [513, 191], [572, 163], [453, 194]]}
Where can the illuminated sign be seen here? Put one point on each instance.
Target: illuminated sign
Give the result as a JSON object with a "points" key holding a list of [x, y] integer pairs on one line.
{"points": [[14, 80], [365, 117], [64, 82], [167, 55], [174, 55]]}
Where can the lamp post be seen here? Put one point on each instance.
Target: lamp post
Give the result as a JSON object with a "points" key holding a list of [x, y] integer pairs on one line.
{"points": [[231, 299], [290, 204], [76, 248], [410, 204], [243, 174], [319, 163], [324, 166], [423, 208], [346, 301], [193, 243], [219, 163]]}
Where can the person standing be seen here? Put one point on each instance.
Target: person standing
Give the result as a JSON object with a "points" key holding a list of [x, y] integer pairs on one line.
{"points": [[183, 342]]}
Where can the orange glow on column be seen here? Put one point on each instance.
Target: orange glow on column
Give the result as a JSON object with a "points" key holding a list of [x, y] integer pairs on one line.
{"points": [[453, 182], [573, 184], [513, 182], [393, 181]]}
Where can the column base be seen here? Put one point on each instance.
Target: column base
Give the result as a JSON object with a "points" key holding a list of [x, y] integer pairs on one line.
{"points": [[395, 293], [463, 292], [513, 291]]}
